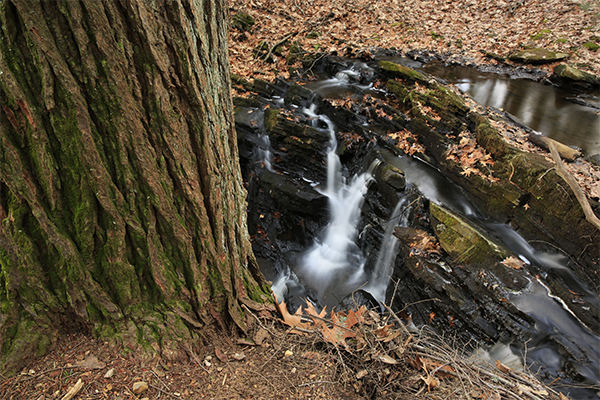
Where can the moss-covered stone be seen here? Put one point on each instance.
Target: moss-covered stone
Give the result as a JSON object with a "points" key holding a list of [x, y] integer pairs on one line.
{"points": [[403, 72], [271, 116], [541, 34], [462, 240], [246, 102], [593, 46], [293, 53], [537, 56], [242, 22], [570, 73]]}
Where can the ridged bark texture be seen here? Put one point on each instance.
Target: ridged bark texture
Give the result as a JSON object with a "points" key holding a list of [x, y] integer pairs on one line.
{"points": [[121, 201]]}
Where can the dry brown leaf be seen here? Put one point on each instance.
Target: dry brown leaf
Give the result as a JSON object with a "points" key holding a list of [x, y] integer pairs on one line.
{"points": [[220, 355], [362, 374], [430, 381], [384, 358], [503, 368], [513, 262]]}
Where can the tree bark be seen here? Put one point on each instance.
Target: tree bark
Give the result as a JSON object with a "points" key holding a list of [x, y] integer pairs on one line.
{"points": [[122, 210]]}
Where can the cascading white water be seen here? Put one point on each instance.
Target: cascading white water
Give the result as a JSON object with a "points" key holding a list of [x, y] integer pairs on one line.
{"points": [[334, 266], [264, 150], [384, 266]]}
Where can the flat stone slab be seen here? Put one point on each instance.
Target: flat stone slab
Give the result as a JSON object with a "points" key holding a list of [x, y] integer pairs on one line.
{"points": [[537, 56]]}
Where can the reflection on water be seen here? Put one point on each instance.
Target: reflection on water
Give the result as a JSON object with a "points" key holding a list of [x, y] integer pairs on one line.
{"points": [[541, 107]]}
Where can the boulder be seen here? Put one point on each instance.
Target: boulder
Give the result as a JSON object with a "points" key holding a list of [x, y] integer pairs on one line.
{"points": [[242, 22], [292, 195], [537, 56], [463, 241], [564, 71]]}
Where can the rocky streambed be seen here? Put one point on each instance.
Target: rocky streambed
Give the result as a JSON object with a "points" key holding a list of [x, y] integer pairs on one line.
{"points": [[382, 184]]}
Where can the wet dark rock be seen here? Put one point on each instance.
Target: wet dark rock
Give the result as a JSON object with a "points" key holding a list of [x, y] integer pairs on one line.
{"points": [[356, 300], [292, 195], [298, 95], [537, 56], [268, 89], [582, 102], [594, 159], [299, 148], [523, 178], [464, 289]]}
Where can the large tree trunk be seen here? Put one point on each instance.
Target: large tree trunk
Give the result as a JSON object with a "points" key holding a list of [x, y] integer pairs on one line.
{"points": [[121, 201]]}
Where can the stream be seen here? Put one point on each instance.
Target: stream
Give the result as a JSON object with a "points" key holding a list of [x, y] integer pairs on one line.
{"points": [[340, 240], [569, 116]]}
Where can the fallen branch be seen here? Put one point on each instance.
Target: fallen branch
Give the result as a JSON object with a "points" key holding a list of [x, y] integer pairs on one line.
{"points": [[282, 41], [583, 201], [73, 391]]}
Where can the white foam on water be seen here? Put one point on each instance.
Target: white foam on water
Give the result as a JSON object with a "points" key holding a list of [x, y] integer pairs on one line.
{"points": [[333, 267]]}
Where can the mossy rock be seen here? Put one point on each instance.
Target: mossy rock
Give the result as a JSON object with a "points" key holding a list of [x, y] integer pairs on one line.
{"points": [[403, 72], [293, 53], [565, 71], [271, 116], [241, 83], [591, 46], [247, 102], [541, 34], [242, 22], [462, 240], [537, 56]]}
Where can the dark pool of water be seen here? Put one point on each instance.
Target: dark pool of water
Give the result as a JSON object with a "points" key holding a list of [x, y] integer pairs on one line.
{"points": [[543, 107]]}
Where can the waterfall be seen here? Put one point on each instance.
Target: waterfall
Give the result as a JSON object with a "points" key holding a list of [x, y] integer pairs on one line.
{"points": [[264, 150], [384, 267], [333, 267]]}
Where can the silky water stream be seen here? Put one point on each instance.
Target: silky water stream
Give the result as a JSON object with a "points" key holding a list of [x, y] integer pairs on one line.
{"points": [[334, 265]]}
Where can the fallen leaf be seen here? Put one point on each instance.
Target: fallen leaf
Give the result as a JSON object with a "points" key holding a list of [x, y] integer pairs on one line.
{"points": [[260, 336], [503, 368], [513, 262], [385, 359], [362, 374], [430, 381], [91, 362], [431, 316], [220, 355]]}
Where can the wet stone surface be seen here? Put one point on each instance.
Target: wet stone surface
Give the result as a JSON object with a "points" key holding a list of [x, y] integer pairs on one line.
{"points": [[480, 301]]}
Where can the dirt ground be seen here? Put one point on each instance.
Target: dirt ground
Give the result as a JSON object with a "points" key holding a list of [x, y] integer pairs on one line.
{"points": [[285, 366]]}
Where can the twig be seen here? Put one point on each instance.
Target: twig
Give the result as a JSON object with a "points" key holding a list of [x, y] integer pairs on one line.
{"points": [[193, 355], [315, 383], [393, 314], [164, 391], [282, 41], [160, 380], [583, 201], [73, 391], [258, 320]]}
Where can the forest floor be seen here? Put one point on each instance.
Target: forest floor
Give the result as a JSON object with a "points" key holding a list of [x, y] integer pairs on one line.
{"points": [[276, 364]]}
